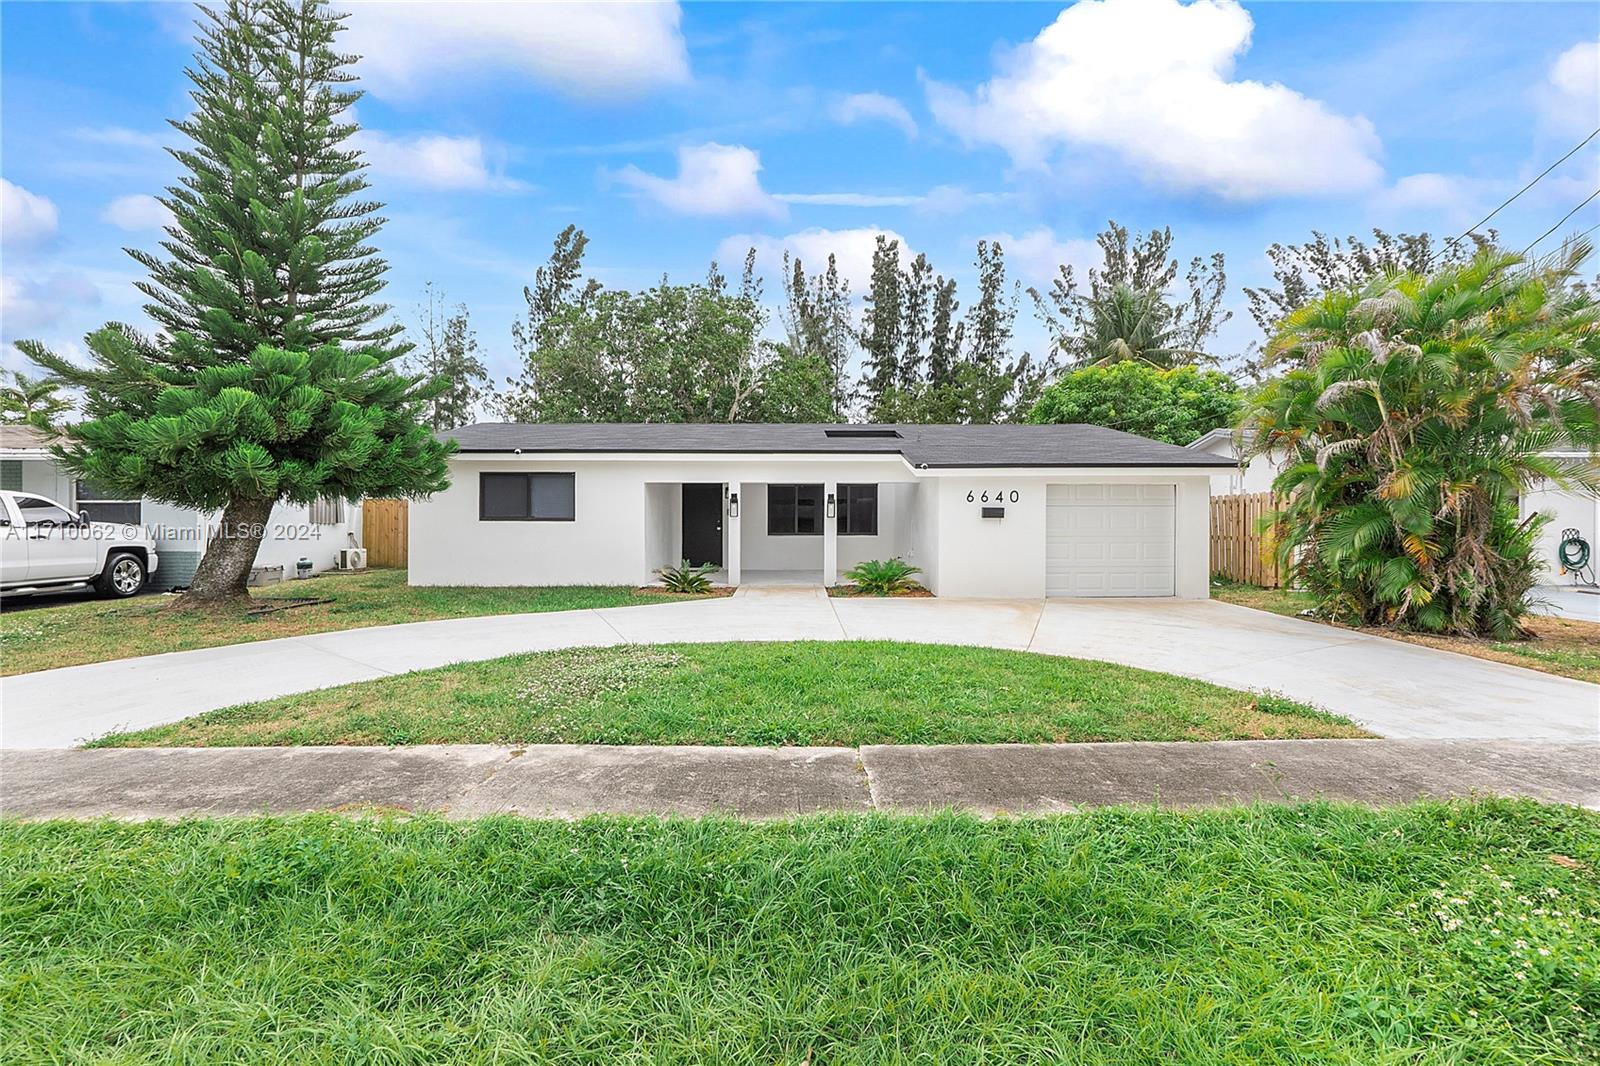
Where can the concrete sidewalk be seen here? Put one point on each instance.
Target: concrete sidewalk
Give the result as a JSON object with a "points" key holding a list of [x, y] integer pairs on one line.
{"points": [[1394, 689], [566, 781]]}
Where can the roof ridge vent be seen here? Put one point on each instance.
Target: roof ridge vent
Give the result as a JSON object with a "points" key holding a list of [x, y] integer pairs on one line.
{"points": [[862, 431]]}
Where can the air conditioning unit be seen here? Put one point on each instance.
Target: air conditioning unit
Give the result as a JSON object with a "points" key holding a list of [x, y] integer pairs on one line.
{"points": [[352, 558]]}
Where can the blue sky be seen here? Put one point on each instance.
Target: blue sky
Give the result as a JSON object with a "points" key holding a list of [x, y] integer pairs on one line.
{"points": [[673, 135]]}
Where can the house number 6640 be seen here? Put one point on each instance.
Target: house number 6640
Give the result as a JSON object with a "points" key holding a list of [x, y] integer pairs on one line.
{"points": [[974, 496]]}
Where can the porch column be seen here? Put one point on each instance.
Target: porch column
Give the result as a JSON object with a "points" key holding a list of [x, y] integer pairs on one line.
{"points": [[734, 539], [830, 534]]}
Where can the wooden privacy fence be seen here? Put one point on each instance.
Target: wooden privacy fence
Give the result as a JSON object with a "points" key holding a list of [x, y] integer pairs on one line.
{"points": [[384, 532], [1238, 552]]}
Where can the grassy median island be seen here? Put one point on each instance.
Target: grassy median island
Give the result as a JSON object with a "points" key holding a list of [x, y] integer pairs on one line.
{"points": [[802, 692], [74, 632], [1436, 933], [1568, 647]]}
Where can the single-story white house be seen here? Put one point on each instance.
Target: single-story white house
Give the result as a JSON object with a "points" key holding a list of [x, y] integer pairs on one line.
{"points": [[1011, 511], [296, 531], [1568, 509]]}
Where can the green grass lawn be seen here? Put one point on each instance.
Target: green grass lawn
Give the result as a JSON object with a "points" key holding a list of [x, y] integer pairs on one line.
{"points": [[1569, 647], [806, 692], [91, 631], [1432, 934]]}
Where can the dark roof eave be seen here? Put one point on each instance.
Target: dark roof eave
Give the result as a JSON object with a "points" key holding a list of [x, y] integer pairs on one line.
{"points": [[1218, 464]]}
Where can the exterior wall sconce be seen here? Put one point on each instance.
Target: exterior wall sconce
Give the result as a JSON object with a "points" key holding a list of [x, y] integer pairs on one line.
{"points": [[733, 505], [830, 505]]}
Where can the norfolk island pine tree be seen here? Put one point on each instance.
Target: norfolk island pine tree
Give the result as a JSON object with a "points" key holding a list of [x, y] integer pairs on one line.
{"points": [[273, 378]]}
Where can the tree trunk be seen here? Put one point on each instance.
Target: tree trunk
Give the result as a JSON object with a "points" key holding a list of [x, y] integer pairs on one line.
{"points": [[224, 571]]}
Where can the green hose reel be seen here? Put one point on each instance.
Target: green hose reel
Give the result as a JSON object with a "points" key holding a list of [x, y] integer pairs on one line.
{"points": [[1573, 552]]}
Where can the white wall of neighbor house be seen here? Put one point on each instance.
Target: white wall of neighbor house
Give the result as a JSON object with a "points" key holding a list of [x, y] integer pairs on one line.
{"points": [[42, 477], [1567, 510], [1256, 477]]}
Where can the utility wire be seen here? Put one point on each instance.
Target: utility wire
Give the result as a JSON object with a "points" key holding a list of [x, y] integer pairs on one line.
{"points": [[1457, 240], [1558, 225]]}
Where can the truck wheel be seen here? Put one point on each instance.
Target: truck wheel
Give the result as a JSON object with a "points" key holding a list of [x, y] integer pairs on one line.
{"points": [[124, 575]]}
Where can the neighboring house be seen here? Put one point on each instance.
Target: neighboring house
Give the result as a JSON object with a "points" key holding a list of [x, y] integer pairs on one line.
{"points": [[296, 531], [1567, 509], [984, 511]]}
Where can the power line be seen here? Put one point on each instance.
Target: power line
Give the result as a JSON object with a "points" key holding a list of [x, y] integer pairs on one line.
{"points": [[1457, 240], [1558, 225]]}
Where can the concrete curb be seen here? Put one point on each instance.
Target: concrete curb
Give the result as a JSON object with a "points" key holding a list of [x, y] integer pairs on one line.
{"points": [[568, 781]]}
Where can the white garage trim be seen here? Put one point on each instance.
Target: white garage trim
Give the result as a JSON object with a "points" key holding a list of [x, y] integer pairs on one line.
{"points": [[1110, 540]]}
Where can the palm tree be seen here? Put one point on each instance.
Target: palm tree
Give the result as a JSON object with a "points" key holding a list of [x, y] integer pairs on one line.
{"points": [[1413, 413], [1124, 324], [31, 401]]}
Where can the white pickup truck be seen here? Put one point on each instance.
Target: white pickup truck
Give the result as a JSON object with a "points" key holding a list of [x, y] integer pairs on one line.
{"points": [[44, 547]]}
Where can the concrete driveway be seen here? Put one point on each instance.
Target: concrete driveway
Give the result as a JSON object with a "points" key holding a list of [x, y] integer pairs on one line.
{"points": [[1569, 601], [1394, 689]]}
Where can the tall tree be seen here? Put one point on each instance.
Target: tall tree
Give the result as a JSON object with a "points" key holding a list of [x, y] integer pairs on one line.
{"points": [[555, 287], [916, 289], [275, 379], [817, 322], [882, 328], [31, 401], [1128, 310], [1305, 272], [449, 355]]}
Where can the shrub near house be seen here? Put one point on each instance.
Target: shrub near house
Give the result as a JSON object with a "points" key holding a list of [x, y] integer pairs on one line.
{"points": [[1412, 414]]}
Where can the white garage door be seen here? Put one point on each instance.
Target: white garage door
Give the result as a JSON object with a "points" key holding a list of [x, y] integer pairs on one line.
{"points": [[1109, 540]]}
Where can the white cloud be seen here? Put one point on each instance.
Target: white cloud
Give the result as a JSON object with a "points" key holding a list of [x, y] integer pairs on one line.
{"points": [[713, 179], [939, 200], [137, 212], [28, 304], [121, 137], [852, 249], [1570, 97], [431, 160], [1036, 256], [874, 107], [594, 50], [24, 217], [1150, 82], [848, 199]]}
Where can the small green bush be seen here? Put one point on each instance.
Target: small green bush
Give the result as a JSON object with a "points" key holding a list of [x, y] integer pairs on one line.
{"points": [[883, 577], [694, 580]]}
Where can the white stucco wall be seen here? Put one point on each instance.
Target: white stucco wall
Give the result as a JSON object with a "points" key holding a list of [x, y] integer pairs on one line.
{"points": [[1005, 558], [629, 522], [1256, 477], [1567, 510], [622, 520], [41, 476]]}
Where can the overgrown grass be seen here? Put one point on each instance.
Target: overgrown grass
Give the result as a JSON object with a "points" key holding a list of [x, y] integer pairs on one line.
{"points": [[91, 631], [1431, 934], [1569, 647], [807, 692]]}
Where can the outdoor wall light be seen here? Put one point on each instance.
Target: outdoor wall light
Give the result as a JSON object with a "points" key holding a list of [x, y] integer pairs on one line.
{"points": [[733, 505], [830, 505]]}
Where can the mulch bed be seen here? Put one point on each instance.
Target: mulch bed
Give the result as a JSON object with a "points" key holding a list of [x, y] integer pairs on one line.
{"points": [[916, 592]]}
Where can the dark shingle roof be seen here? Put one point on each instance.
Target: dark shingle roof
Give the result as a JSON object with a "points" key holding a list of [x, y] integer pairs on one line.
{"points": [[922, 445]]}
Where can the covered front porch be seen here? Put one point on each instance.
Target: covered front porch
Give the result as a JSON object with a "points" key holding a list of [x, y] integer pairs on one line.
{"points": [[804, 532]]}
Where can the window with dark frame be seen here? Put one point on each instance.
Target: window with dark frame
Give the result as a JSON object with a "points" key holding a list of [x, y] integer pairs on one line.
{"points": [[794, 510], [526, 497], [105, 506], [858, 511]]}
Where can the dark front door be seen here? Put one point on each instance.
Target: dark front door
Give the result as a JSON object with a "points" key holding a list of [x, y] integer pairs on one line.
{"points": [[702, 524]]}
